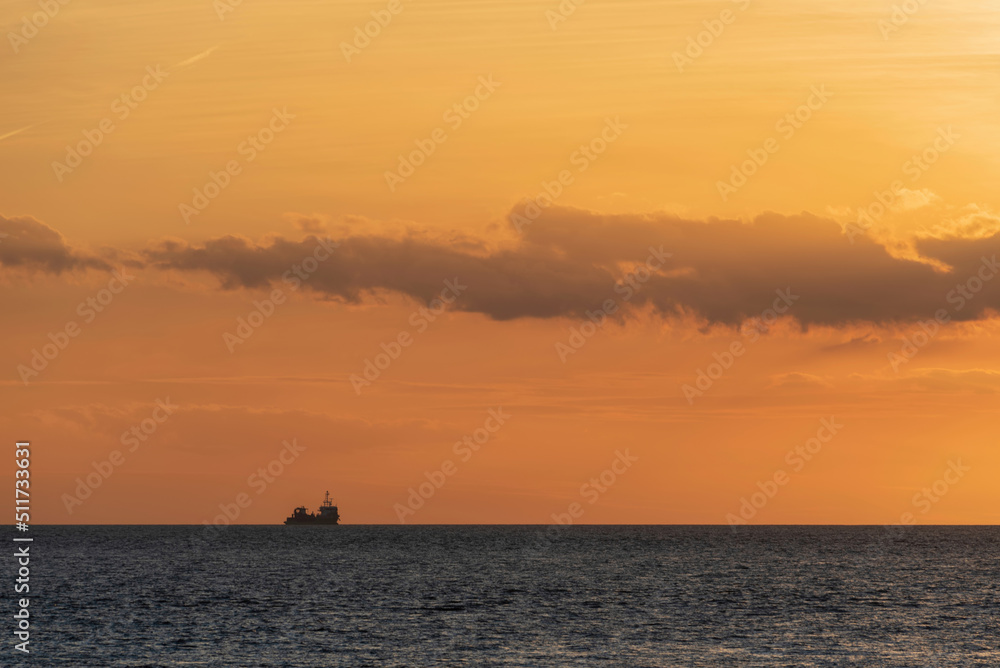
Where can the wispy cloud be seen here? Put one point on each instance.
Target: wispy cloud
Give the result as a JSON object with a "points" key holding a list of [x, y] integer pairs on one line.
{"points": [[11, 134], [194, 59]]}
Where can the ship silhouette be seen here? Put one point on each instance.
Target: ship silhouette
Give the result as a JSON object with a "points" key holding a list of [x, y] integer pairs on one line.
{"points": [[328, 514]]}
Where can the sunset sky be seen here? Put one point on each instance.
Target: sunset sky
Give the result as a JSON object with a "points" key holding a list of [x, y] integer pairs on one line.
{"points": [[678, 167]]}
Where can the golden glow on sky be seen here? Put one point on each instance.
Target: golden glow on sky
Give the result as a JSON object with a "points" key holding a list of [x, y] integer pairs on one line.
{"points": [[747, 158]]}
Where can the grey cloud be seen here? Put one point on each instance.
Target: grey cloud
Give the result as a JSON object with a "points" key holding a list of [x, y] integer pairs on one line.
{"points": [[27, 243], [568, 261]]}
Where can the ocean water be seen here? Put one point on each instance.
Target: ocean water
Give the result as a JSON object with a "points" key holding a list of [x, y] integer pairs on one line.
{"points": [[511, 596]]}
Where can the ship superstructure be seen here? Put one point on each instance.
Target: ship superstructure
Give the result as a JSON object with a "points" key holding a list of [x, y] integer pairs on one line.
{"points": [[328, 514]]}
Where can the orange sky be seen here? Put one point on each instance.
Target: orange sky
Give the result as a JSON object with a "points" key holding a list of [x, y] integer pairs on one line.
{"points": [[170, 168]]}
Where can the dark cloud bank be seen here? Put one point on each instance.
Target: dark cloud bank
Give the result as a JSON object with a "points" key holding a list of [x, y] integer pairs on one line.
{"points": [[568, 261], [27, 243]]}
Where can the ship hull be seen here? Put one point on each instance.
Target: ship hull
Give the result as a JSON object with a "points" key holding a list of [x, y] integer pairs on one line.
{"points": [[328, 515]]}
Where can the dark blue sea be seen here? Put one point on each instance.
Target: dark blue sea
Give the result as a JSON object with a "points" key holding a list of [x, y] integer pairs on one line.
{"points": [[510, 596]]}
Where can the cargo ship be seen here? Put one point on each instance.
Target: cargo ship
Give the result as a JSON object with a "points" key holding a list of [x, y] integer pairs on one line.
{"points": [[328, 514]]}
